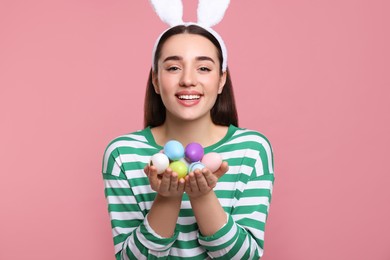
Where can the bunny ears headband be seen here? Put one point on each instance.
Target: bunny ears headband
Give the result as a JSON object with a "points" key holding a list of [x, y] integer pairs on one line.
{"points": [[210, 13]]}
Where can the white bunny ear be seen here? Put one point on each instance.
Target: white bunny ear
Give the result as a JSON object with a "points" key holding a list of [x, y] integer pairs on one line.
{"points": [[169, 11], [211, 12]]}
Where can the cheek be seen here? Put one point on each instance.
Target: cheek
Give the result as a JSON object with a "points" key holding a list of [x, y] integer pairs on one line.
{"points": [[167, 85], [212, 83], [165, 81]]}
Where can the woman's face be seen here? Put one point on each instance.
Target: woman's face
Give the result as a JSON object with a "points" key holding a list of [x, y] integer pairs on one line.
{"points": [[188, 78]]}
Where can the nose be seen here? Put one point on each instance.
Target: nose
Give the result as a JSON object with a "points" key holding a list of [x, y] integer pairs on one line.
{"points": [[188, 78]]}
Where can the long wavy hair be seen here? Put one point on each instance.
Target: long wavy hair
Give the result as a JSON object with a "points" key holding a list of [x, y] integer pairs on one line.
{"points": [[224, 111]]}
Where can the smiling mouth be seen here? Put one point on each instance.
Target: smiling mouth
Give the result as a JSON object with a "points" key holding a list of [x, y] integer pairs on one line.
{"points": [[188, 97]]}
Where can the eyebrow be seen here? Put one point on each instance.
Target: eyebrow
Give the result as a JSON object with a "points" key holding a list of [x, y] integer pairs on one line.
{"points": [[198, 58]]}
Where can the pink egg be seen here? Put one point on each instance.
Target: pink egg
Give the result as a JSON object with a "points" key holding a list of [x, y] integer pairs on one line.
{"points": [[212, 161]]}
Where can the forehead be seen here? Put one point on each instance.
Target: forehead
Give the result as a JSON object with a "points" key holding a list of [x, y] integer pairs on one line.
{"points": [[188, 44]]}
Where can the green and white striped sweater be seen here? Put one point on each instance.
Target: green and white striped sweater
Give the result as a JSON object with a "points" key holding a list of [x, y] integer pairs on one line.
{"points": [[244, 193]]}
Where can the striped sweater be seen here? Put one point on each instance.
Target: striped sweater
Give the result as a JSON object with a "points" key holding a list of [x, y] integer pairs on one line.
{"points": [[244, 193]]}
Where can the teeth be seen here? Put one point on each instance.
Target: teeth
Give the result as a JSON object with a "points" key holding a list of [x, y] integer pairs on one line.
{"points": [[189, 97]]}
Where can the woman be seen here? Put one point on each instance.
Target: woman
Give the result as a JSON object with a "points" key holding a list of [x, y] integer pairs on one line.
{"points": [[207, 214]]}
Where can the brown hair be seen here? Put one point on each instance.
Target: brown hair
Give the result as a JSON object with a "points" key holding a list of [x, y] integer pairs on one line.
{"points": [[224, 110]]}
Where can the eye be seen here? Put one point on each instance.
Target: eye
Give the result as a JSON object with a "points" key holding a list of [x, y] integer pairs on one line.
{"points": [[173, 68], [204, 69]]}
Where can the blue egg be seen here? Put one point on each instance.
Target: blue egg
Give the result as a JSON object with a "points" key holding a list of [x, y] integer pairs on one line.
{"points": [[196, 165], [174, 150]]}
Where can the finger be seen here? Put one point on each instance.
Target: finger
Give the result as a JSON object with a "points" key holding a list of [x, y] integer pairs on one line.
{"points": [[193, 182], [165, 181], [174, 183], [146, 169], [181, 185], [187, 186], [211, 179], [222, 170], [201, 180], [153, 179]]}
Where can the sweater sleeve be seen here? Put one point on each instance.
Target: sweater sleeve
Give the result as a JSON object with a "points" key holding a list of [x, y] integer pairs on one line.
{"points": [[132, 234], [242, 237]]}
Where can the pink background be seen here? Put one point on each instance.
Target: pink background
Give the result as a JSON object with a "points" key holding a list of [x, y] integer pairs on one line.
{"points": [[313, 76]]}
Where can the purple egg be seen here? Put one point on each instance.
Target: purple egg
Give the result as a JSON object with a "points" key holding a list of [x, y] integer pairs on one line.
{"points": [[194, 152]]}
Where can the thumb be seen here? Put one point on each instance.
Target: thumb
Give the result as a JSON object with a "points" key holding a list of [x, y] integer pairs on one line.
{"points": [[222, 170]]}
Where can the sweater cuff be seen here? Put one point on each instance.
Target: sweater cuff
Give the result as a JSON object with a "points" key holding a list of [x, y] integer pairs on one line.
{"points": [[224, 238], [153, 241]]}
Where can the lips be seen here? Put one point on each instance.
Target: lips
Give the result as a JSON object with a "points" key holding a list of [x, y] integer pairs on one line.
{"points": [[188, 95], [188, 98]]}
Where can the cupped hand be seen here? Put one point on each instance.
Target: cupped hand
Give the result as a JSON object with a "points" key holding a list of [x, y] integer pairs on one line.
{"points": [[165, 184], [201, 182]]}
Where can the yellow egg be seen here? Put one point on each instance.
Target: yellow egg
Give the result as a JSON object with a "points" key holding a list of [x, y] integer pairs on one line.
{"points": [[180, 168]]}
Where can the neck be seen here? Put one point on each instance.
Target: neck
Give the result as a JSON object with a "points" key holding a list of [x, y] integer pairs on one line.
{"points": [[202, 131]]}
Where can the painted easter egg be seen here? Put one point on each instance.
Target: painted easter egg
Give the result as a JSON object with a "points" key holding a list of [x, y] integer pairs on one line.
{"points": [[174, 150], [160, 161], [212, 161], [194, 152], [180, 168]]}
